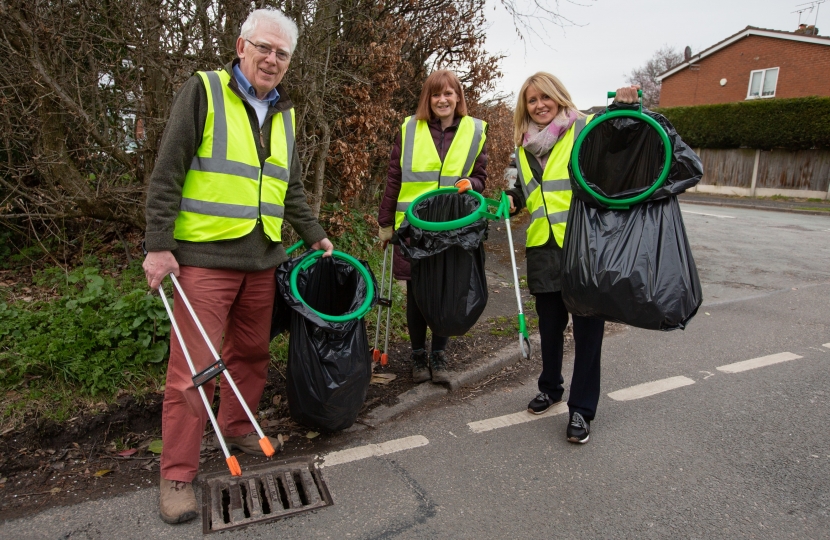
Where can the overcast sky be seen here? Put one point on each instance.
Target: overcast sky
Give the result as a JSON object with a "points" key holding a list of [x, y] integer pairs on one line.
{"points": [[616, 36]]}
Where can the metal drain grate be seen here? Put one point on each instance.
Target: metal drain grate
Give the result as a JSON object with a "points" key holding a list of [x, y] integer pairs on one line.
{"points": [[263, 493]]}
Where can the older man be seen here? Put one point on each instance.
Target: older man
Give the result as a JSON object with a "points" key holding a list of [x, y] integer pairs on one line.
{"points": [[227, 175]]}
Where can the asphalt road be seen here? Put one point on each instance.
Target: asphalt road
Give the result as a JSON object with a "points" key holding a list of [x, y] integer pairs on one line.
{"points": [[720, 449]]}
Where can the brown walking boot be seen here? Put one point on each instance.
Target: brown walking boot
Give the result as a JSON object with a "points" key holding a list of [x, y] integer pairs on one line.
{"points": [[249, 443], [177, 501], [438, 363], [420, 366]]}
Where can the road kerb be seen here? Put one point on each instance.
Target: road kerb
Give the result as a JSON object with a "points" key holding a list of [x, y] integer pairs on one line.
{"points": [[426, 392]]}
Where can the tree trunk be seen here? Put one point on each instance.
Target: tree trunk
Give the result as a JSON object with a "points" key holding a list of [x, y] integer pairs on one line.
{"points": [[320, 167]]}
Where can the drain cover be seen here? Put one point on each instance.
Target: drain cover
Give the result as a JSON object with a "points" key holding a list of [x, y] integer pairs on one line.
{"points": [[264, 493]]}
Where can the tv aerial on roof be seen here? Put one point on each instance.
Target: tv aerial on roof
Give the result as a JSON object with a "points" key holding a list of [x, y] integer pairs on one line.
{"points": [[808, 7]]}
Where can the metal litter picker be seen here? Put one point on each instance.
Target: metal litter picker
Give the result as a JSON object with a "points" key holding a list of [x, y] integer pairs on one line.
{"points": [[377, 354], [213, 371]]}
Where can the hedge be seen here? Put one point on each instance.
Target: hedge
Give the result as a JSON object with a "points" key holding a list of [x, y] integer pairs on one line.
{"points": [[794, 124]]}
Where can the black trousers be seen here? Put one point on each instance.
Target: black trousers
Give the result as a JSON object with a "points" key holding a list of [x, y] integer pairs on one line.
{"points": [[553, 319], [418, 324]]}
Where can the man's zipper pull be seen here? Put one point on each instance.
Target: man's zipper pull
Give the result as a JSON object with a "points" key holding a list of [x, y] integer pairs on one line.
{"points": [[261, 138]]}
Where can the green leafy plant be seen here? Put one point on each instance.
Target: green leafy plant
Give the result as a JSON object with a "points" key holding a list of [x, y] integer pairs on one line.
{"points": [[102, 334]]}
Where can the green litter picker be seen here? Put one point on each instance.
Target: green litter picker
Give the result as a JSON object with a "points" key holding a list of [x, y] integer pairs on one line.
{"points": [[524, 339]]}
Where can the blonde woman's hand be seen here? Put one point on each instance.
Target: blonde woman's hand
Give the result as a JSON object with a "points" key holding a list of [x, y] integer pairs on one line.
{"points": [[627, 94], [464, 185], [512, 206]]}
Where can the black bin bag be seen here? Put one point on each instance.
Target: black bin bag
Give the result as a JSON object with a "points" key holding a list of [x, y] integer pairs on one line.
{"points": [[329, 365], [447, 267], [633, 265]]}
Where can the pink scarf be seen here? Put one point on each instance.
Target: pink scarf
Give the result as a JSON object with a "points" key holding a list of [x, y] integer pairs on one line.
{"points": [[539, 140]]}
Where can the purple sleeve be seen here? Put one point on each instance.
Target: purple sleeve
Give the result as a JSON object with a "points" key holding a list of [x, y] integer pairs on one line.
{"points": [[386, 213]]}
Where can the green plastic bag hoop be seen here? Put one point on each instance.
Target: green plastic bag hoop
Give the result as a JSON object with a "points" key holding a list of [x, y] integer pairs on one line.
{"points": [[480, 212], [370, 288], [622, 204]]}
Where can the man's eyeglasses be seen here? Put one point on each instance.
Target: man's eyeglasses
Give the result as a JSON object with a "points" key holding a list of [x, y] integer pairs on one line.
{"points": [[282, 56]]}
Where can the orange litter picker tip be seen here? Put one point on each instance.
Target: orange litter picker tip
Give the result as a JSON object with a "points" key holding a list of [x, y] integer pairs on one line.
{"points": [[233, 466], [384, 302]]}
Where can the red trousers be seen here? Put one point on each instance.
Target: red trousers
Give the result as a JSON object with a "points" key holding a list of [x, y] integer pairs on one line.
{"points": [[229, 303]]}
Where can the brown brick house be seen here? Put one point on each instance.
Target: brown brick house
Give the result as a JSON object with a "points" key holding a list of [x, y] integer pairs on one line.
{"points": [[754, 63]]}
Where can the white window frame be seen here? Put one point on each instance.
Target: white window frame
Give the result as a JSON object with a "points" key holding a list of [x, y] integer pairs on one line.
{"points": [[763, 73]]}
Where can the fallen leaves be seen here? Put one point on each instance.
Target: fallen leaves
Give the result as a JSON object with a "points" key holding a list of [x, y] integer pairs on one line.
{"points": [[102, 472], [155, 446], [382, 378], [127, 453], [311, 434]]}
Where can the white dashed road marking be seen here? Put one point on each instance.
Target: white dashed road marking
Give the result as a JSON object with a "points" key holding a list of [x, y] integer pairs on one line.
{"points": [[710, 215], [363, 452], [626, 394], [650, 388], [515, 418], [763, 361], [826, 345]]}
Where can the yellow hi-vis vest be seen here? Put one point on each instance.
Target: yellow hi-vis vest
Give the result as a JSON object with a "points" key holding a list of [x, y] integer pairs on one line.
{"points": [[549, 201], [421, 167], [225, 191]]}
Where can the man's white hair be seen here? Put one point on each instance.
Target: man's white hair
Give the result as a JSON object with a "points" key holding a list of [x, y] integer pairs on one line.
{"points": [[285, 26]]}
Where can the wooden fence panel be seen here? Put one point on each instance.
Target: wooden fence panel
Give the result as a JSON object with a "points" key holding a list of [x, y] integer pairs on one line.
{"points": [[731, 168], [802, 169]]}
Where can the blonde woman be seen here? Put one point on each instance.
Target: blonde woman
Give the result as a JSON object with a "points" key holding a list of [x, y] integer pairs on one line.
{"points": [[545, 125]]}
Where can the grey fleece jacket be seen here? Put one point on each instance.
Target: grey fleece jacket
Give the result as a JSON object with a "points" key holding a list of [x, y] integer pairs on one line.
{"points": [[179, 144]]}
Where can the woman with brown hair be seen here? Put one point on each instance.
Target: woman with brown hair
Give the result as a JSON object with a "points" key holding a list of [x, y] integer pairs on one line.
{"points": [[545, 125], [439, 146]]}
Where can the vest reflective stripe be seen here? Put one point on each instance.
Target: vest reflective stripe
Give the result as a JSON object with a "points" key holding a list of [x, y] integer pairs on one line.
{"points": [[224, 166], [421, 166], [556, 185], [272, 210], [275, 173], [225, 192], [538, 213], [218, 209], [548, 202], [274, 170]]}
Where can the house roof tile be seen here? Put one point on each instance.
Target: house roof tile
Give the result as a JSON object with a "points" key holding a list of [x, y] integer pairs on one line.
{"points": [[748, 31]]}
